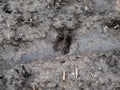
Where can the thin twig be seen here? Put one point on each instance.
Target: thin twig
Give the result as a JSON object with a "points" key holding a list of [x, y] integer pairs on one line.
{"points": [[76, 72], [64, 75]]}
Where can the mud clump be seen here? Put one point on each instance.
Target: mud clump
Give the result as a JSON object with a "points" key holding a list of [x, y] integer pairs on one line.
{"points": [[6, 9], [113, 23], [112, 62]]}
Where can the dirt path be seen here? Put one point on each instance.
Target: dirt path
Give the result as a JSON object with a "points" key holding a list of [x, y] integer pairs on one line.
{"points": [[59, 45]]}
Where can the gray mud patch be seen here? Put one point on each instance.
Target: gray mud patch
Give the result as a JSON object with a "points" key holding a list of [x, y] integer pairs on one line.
{"points": [[59, 45]]}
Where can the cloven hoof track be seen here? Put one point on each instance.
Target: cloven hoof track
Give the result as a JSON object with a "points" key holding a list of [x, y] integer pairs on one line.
{"points": [[63, 40]]}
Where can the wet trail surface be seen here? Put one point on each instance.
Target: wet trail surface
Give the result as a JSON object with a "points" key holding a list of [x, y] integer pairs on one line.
{"points": [[95, 41]]}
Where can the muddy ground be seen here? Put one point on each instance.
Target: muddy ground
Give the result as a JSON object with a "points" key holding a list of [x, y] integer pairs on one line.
{"points": [[59, 44]]}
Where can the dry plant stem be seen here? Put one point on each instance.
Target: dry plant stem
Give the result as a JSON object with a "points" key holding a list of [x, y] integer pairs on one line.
{"points": [[64, 75], [76, 72]]}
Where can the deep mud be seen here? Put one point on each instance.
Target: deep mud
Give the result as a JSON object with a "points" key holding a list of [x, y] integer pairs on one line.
{"points": [[59, 44]]}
